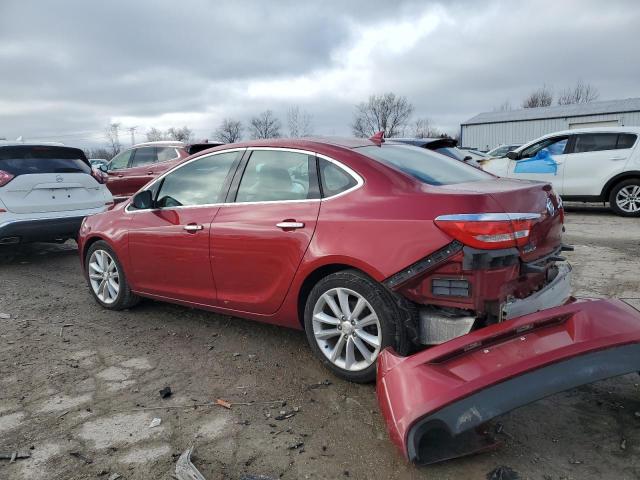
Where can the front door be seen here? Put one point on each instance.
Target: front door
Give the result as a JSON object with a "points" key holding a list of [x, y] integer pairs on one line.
{"points": [[169, 245], [116, 181], [543, 161], [140, 171], [259, 239]]}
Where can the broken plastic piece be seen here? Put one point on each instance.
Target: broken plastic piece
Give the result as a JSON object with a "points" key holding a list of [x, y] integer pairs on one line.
{"points": [[185, 470]]}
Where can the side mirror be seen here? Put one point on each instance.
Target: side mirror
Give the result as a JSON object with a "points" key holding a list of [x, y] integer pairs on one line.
{"points": [[143, 200], [103, 167], [467, 158], [512, 155]]}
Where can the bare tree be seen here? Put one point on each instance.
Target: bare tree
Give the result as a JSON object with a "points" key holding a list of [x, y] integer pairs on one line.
{"points": [[154, 135], [229, 131], [299, 122], [184, 134], [98, 152], [386, 112], [265, 125], [504, 107], [580, 93], [422, 129], [541, 97], [113, 137]]}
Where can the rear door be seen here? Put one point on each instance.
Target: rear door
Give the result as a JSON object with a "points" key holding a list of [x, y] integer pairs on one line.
{"points": [[48, 179], [594, 159], [543, 161], [169, 244], [260, 236]]}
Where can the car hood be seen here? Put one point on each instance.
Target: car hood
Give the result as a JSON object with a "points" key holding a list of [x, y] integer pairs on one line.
{"points": [[434, 400]]}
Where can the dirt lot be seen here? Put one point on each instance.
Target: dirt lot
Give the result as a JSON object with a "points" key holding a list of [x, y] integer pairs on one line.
{"points": [[74, 379]]}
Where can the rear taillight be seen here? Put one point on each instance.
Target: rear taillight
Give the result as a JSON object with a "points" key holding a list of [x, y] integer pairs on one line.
{"points": [[5, 177], [489, 230], [98, 175]]}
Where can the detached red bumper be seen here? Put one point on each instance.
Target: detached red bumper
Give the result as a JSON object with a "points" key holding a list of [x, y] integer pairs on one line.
{"points": [[437, 397]]}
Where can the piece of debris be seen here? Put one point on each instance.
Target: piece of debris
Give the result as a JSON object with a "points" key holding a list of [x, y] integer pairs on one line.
{"points": [[637, 414], [324, 383], [115, 476], [185, 470], [82, 457], [255, 477], [623, 444], [503, 473], [5, 316], [296, 446], [63, 414], [573, 461], [223, 403], [284, 415], [13, 456], [155, 422], [165, 392], [236, 354]]}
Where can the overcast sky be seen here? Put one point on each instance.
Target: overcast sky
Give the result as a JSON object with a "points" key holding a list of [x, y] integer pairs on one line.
{"points": [[68, 68]]}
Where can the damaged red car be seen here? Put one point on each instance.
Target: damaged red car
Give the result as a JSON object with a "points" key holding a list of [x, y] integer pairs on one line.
{"points": [[377, 250]]}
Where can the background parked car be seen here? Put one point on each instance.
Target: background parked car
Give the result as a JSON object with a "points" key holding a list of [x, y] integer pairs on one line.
{"points": [[588, 164], [502, 150], [97, 162], [46, 191], [131, 169], [445, 146]]}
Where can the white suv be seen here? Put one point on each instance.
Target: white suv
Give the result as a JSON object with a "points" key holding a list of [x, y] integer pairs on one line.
{"points": [[587, 164], [46, 191]]}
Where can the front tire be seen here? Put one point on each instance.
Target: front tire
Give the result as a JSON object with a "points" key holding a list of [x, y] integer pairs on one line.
{"points": [[349, 319], [625, 198], [106, 278]]}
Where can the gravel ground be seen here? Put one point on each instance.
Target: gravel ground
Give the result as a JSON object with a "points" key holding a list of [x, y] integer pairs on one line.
{"points": [[78, 384]]}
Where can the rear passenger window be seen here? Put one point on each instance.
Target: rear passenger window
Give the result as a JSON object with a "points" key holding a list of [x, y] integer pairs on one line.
{"points": [[143, 156], [595, 142], [626, 140], [276, 175], [334, 179], [167, 153], [199, 182]]}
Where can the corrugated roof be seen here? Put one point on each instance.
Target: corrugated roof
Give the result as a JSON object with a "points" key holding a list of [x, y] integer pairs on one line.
{"points": [[558, 111]]}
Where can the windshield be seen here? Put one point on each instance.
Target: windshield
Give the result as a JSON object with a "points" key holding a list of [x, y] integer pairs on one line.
{"points": [[23, 160], [424, 165]]}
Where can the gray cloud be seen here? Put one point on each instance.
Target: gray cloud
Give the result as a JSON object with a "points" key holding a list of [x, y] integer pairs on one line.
{"points": [[70, 67]]}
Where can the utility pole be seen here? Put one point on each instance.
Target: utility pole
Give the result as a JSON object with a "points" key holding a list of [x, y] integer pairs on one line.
{"points": [[132, 130]]}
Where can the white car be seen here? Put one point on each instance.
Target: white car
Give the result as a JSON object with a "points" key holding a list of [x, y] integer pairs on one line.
{"points": [[587, 164], [46, 191]]}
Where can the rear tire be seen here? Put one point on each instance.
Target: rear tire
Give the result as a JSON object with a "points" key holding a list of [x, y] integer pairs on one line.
{"points": [[625, 198], [106, 278], [349, 319]]}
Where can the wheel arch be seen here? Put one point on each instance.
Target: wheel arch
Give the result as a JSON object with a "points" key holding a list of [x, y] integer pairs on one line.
{"points": [[609, 186], [87, 244], [317, 274]]}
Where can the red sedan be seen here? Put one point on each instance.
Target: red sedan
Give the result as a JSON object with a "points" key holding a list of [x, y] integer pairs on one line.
{"points": [[364, 245], [374, 249]]}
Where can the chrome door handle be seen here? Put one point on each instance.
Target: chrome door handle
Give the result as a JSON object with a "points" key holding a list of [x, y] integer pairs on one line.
{"points": [[150, 172], [615, 159], [290, 225], [193, 228]]}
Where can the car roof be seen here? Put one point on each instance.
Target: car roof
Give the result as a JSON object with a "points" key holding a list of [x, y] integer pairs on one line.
{"points": [[302, 143], [620, 129], [4, 143], [423, 142], [167, 143]]}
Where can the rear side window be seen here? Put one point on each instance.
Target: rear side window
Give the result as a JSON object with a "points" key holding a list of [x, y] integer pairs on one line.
{"points": [[424, 165], [334, 179], [276, 175], [167, 153], [24, 160], [199, 182], [595, 142], [143, 156], [626, 140]]}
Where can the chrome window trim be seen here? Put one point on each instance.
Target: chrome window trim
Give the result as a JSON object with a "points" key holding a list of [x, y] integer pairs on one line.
{"points": [[359, 181], [488, 217]]}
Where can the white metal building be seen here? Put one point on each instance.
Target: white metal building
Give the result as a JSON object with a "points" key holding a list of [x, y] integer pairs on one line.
{"points": [[490, 129]]}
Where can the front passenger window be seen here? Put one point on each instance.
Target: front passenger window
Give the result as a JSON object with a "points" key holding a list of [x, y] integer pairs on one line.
{"points": [[120, 161], [548, 146], [199, 182], [275, 175]]}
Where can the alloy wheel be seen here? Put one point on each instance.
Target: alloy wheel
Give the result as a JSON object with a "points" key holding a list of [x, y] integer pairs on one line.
{"points": [[347, 329], [104, 276], [628, 199]]}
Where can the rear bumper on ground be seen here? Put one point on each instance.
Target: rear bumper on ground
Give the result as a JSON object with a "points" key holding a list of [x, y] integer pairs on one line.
{"points": [[39, 230], [438, 396]]}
